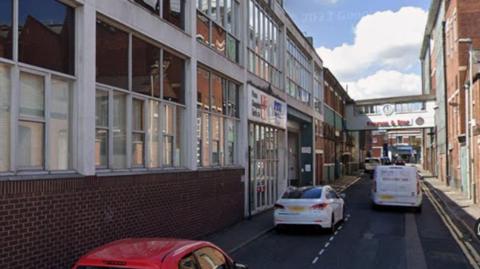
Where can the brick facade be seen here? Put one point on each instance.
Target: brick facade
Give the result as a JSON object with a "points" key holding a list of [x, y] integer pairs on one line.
{"points": [[50, 223]]}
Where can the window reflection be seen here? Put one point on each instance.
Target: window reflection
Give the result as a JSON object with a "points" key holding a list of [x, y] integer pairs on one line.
{"points": [[203, 92], [46, 34], [219, 38], [152, 5], [203, 29], [112, 56], [217, 93], [145, 69], [6, 34], [173, 11], [173, 80]]}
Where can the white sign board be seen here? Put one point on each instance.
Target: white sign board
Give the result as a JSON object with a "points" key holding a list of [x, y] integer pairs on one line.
{"points": [[266, 109]]}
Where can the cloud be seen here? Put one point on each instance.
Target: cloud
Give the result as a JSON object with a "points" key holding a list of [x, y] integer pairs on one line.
{"points": [[383, 40], [384, 84]]}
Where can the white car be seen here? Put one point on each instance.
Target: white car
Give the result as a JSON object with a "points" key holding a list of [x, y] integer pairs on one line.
{"points": [[397, 186], [319, 206], [371, 164]]}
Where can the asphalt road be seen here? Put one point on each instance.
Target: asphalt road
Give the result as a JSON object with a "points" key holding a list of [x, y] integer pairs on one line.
{"points": [[385, 238]]}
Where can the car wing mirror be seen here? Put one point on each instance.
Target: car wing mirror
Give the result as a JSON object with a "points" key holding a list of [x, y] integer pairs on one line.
{"points": [[343, 195], [240, 266]]}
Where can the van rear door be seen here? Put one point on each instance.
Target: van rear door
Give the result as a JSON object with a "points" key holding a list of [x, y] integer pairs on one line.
{"points": [[397, 182]]}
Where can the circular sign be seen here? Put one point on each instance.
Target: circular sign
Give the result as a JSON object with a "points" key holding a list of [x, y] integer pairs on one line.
{"points": [[388, 109], [420, 121]]}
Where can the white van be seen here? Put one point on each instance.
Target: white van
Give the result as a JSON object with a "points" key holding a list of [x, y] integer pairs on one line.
{"points": [[397, 186]]}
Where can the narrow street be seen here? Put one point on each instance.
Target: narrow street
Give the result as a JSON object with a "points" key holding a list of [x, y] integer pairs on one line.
{"points": [[385, 238]]}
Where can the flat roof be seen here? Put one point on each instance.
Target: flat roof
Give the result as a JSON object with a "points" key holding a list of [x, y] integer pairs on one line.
{"points": [[396, 99]]}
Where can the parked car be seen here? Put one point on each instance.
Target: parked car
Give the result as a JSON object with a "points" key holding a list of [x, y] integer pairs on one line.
{"points": [[397, 186], [157, 253], [386, 161], [371, 163], [318, 206]]}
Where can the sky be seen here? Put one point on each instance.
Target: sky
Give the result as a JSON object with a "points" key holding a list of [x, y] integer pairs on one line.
{"points": [[372, 46]]}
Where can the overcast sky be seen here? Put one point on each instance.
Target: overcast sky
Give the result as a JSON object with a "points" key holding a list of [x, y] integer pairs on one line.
{"points": [[372, 46]]}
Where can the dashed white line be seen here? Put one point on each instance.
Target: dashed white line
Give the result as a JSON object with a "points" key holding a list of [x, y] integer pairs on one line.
{"points": [[341, 227], [336, 232], [321, 252], [331, 238], [327, 244], [315, 260]]}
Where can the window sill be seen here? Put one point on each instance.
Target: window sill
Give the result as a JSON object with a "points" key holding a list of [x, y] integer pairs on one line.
{"points": [[139, 171], [36, 175], [224, 56]]}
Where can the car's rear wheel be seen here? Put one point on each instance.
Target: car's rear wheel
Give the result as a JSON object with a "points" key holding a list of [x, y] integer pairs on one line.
{"points": [[332, 226], [418, 209]]}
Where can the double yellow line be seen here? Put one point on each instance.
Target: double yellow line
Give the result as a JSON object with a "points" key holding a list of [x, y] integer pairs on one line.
{"points": [[470, 252]]}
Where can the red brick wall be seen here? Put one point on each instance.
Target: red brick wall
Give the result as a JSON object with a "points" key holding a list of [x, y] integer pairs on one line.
{"points": [[50, 223]]}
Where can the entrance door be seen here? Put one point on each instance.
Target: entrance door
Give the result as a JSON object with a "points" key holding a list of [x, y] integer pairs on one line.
{"points": [[293, 161], [318, 169]]}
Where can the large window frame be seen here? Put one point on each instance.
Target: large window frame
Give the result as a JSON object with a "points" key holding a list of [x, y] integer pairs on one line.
{"points": [[263, 45], [299, 73], [149, 102], [221, 22], [227, 117], [158, 11], [48, 77]]}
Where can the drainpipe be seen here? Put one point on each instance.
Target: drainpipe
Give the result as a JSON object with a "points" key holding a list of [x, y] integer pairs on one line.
{"points": [[447, 162]]}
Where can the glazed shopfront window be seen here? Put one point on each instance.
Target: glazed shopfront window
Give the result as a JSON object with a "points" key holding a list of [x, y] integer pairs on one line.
{"points": [[36, 118], [217, 119], [149, 137]]}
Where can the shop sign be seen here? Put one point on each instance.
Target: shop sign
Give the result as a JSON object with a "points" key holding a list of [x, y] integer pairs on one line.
{"points": [[266, 109], [391, 123]]}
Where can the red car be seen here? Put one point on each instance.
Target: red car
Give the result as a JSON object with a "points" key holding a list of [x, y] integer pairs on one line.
{"points": [[157, 253]]}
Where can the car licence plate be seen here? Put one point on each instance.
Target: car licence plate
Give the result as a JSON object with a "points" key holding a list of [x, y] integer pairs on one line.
{"points": [[296, 208], [386, 197]]}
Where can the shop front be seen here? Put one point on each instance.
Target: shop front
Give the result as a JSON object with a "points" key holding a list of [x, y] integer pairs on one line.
{"points": [[266, 134]]}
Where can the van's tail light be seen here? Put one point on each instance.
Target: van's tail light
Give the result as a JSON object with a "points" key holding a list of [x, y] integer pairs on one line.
{"points": [[320, 206], [278, 206]]}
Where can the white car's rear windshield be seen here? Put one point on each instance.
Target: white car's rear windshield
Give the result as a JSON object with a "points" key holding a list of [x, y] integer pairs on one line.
{"points": [[303, 193], [372, 161]]}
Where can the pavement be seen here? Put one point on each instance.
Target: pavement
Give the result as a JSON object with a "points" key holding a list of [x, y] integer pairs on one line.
{"points": [[245, 232], [390, 238], [462, 210]]}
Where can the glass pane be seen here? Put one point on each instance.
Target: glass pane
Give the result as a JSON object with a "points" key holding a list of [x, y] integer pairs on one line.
{"points": [[205, 140], [232, 48], [178, 137], [199, 139], [232, 100], [154, 134], [112, 56], [138, 141], [145, 69], [203, 29], [217, 140], [174, 77], [174, 12], [46, 39], [59, 127], [230, 141], [137, 115], [32, 95], [229, 15], [30, 145], [119, 131], [4, 117], [101, 148], [168, 150], [6, 33], [217, 93], [101, 109], [152, 5], [218, 38], [203, 86], [169, 120]]}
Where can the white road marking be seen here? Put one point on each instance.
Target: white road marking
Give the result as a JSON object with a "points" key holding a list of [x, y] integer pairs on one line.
{"points": [[336, 232], [315, 260], [341, 227], [321, 252], [331, 238], [327, 244]]}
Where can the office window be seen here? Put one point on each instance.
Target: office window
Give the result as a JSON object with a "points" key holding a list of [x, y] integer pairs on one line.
{"points": [[138, 133], [203, 89], [5, 86], [216, 128], [101, 134], [112, 56], [145, 67], [59, 125], [173, 11], [6, 30], [154, 100], [217, 26], [46, 39], [173, 77]]}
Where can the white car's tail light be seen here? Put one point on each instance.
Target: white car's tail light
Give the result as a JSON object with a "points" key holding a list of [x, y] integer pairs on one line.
{"points": [[319, 206]]}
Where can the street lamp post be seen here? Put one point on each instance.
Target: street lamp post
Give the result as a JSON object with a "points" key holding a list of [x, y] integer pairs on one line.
{"points": [[469, 116]]}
